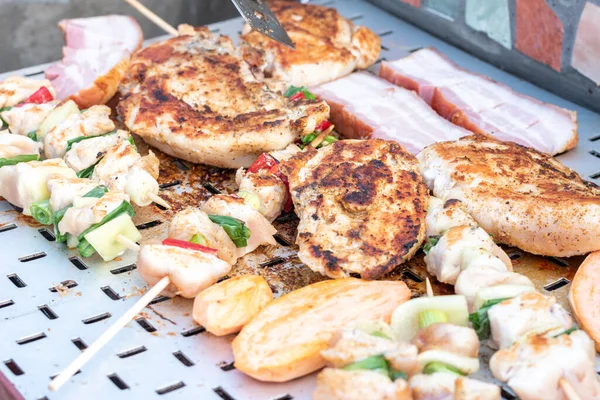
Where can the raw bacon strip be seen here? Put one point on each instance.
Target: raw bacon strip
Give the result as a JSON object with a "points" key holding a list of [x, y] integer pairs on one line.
{"points": [[364, 106], [481, 105]]}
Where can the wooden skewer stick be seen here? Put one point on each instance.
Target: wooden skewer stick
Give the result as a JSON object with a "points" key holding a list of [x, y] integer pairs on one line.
{"points": [[88, 353], [164, 25], [568, 389], [428, 287], [130, 244], [319, 139], [159, 200]]}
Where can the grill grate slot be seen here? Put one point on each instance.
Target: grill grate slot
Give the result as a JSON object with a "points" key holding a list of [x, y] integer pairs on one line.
{"points": [[49, 236], [356, 17], [148, 327], [31, 338], [559, 261], [594, 138], [595, 175], [132, 352], [183, 359], [110, 293], [285, 397], [193, 331], [55, 375], [6, 303], [281, 240], [120, 383], [413, 276], [18, 282], [223, 394], [595, 153], [170, 388], [76, 261], [64, 285], [148, 225], [31, 257], [79, 343], [170, 184], [8, 227], [273, 262], [557, 284], [181, 165], [122, 270], [159, 299], [385, 33], [96, 318], [13, 367], [48, 312], [211, 188], [227, 367]]}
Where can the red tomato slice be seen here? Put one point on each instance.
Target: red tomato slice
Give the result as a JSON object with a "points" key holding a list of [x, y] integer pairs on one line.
{"points": [[298, 96], [41, 96], [265, 161], [323, 125], [189, 245]]}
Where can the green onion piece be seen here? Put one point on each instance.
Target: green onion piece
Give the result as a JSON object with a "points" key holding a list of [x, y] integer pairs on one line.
{"points": [[327, 141], [40, 211], [431, 242], [3, 122], [480, 321], [199, 239], [85, 248], [32, 135], [124, 208], [373, 363], [436, 366], [238, 231], [292, 90], [431, 317], [250, 199], [381, 335], [309, 138], [78, 139], [568, 331], [96, 192], [18, 159], [86, 173], [397, 374]]}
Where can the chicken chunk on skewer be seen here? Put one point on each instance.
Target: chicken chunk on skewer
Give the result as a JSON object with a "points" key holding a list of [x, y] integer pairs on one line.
{"points": [[441, 216], [460, 340], [16, 145], [92, 122], [25, 183], [447, 386], [271, 192], [63, 191], [534, 367], [338, 384], [261, 231], [87, 152], [16, 89], [193, 222], [528, 312], [28, 117], [189, 271]]}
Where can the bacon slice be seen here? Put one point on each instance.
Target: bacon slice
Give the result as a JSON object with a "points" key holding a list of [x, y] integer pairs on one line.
{"points": [[364, 106], [95, 58], [482, 105]]}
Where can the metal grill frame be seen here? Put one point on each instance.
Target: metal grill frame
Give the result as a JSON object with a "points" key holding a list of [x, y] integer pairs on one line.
{"points": [[164, 353]]}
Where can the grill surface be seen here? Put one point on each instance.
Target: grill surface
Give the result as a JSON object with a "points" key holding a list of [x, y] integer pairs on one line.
{"points": [[53, 304]]}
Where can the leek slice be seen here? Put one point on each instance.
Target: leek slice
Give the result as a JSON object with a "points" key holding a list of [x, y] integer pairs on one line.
{"points": [[237, 230], [18, 159]]}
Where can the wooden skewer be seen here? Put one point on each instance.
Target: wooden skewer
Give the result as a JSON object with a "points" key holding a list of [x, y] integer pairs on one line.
{"points": [[164, 25], [319, 139], [130, 244], [88, 353], [159, 200], [428, 287], [568, 389]]}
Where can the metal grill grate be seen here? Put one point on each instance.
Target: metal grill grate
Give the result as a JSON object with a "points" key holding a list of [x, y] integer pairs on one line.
{"points": [[53, 304]]}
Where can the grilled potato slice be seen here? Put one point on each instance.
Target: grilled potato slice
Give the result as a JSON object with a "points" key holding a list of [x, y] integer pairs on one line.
{"points": [[284, 341], [584, 297], [226, 307]]}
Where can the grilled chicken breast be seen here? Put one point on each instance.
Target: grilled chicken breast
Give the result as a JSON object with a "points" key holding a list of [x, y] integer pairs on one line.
{"points": [[520, 196], [362, 207], [328, 46], [195, 97]]}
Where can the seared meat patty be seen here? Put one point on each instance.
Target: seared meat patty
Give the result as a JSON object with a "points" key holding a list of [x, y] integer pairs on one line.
{"points": [[194, 97], [522, 197], [362, 207], [328, 46]]}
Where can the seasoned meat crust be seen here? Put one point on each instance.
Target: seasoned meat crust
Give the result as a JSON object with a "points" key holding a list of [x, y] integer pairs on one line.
{"points": [[522, 197], [362, 207], [195, 97], [328, 46]]}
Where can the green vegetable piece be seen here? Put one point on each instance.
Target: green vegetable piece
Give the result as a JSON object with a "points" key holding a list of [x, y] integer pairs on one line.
{"points": [[238, 232], [199, 239], [40, 211], [373, 363], [124, 207], [309, 138], [568, 331], [96, 192], [292, 90], [86, 173], [85, 249], [480, 321], [78, 139], [18, 159], [32, 135], [397, 374], [381, 335], [329, 139], [431, 242], [437, 366], [431, 317], [3, 123]]}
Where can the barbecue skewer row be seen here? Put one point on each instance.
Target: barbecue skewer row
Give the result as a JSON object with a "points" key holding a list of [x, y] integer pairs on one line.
{"points": [[202, 247], [533, 332], [83, 139]]}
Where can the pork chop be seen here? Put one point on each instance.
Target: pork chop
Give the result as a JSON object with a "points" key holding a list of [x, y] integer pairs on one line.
{"points": [[195, 97], [328, 46], [362, 207], [522, 197]]}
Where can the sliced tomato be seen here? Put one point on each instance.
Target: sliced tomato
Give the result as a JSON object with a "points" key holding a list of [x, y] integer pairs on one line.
{"points": [[323, 125], [289, 204], [265, 161], [298, 96], [41, 96], [189, 245]]}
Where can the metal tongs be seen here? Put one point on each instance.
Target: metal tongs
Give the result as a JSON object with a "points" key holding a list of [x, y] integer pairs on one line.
{"points": [[260, 17]]}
